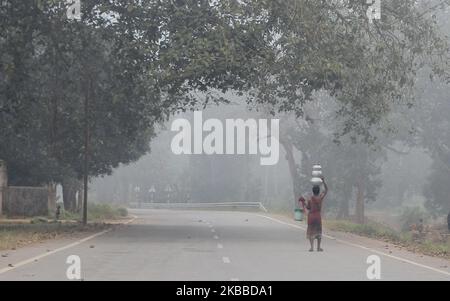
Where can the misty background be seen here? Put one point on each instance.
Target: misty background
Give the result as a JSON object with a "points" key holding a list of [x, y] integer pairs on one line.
{"points": [[400, 171]]}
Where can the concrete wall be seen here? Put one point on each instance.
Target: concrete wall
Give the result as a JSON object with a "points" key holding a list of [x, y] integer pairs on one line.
{"points": [[3, 184], [26, 201]]}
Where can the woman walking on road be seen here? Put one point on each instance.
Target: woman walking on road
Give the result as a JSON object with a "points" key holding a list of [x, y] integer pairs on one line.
{"points": [[314, 207]]}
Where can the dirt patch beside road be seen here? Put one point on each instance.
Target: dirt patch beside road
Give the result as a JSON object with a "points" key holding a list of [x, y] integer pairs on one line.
{"points": [[17, 235]]}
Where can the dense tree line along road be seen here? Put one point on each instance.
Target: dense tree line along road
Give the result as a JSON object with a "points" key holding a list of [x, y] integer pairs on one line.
{"points": [[215, 245]]}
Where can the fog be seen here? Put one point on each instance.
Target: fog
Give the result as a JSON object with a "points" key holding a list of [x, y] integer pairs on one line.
{"points": [[224, 141], [395, 174]]}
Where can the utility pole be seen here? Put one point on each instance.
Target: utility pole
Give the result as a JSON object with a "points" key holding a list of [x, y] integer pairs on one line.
{"points": [[3, 182], [86, 151], [74, 13]]}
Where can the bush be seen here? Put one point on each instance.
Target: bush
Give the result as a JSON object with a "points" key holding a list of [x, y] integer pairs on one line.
{"points": [[67, 215], [100, 211], [105, 211], [123, 212], [411, 216], [96, 212]]}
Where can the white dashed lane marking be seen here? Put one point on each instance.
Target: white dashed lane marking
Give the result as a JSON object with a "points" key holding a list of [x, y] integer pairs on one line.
{"points": [[226, 260]]}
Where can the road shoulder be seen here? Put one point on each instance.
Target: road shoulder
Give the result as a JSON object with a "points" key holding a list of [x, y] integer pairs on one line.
{"points": [[12, 258], [379, 247]]}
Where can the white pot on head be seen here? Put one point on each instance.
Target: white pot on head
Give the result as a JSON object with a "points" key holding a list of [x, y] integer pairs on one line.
{"points": [[316, 173], [316, 181]]}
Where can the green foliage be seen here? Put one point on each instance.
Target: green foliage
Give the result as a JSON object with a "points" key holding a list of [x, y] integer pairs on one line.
{"points": [[432, 124], [138, 61], [441, 249], [437, 191], [378, 231], [370, 229], [367, 67], [122, 211], [54, 65], [412, 216], [96, 212], [72, 216], [347, 165], [105, 212]]}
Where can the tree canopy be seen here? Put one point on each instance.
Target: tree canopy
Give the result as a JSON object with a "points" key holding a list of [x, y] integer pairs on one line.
{"points": [[139, 61]]}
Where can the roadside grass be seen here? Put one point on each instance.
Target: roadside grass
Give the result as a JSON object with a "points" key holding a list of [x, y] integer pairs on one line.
{"points": [[16, 233], [14, 236], [370, 229], [379, 231], [97, 212]]}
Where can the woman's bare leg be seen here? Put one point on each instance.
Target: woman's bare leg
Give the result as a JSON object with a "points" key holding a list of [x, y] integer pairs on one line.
{"points": [[319, 240], [311, 241]]}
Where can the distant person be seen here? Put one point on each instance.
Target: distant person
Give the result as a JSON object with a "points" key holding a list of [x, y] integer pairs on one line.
{"points": [[420, 226], [448, 221], [58, 212], [314, 207], [302, 203]]}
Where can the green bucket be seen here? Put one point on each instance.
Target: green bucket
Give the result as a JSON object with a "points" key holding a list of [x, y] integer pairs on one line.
{"points": [[298, 214]]}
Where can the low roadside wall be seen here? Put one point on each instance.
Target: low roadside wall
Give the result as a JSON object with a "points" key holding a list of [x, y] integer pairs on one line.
{"points": [[25, 201]]}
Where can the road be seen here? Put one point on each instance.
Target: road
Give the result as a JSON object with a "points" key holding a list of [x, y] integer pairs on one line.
{"points": [[215, 245]]}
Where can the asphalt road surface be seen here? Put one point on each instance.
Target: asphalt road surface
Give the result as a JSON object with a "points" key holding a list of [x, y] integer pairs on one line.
{"points": [[215, 245]]}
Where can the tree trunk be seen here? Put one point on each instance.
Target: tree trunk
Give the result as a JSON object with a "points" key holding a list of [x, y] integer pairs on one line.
{"points": [[360, 202], [80, 200], [51, 196], [344, 211], [289, 148], [344, 204], [69, 190], [3, 183]]}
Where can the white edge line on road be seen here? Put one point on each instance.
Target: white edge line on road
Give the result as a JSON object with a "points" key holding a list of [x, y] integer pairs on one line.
{"points": [[76, 243], [261, 206], [362, 247]]}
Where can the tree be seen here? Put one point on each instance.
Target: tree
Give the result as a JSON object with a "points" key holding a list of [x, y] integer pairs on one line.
{"points": [[351, 168], [367, 67], [67, 63], [136, 62], [432, 126]]}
